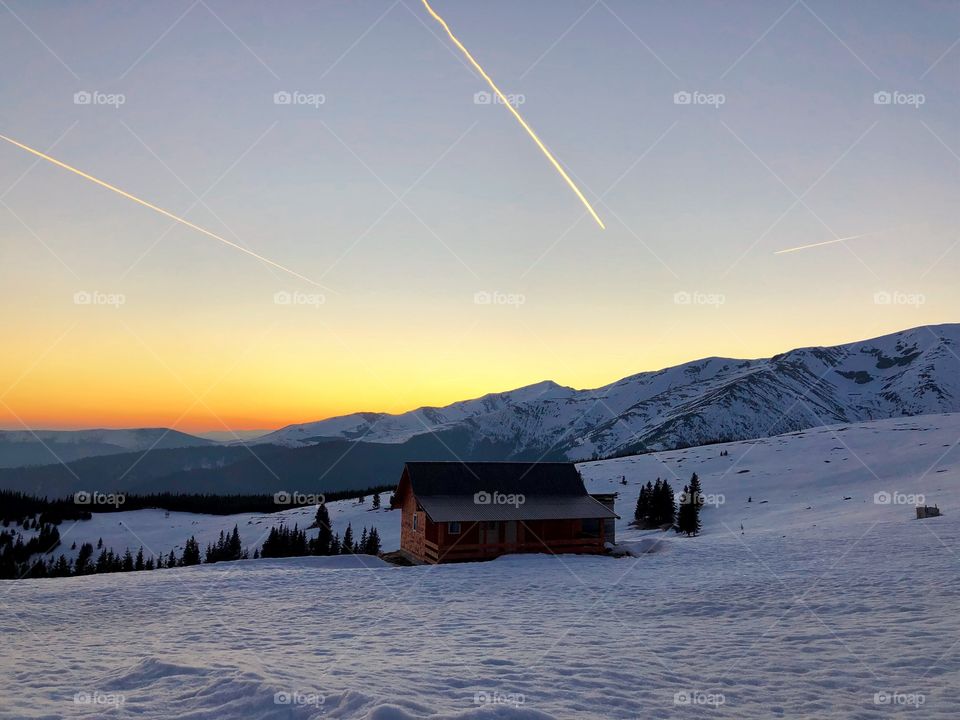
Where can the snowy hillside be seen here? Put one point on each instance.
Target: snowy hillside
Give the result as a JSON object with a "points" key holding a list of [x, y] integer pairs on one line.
{"points": [[908, 373], [158, 532], [831, 603], [796, 481], [42, 447]]}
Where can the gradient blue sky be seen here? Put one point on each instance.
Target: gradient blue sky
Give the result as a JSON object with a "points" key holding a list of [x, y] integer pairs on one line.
{"points": [[696, 198]]}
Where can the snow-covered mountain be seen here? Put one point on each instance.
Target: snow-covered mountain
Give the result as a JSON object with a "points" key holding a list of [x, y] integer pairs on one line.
{"points": [[911, 372], [43, 447]]}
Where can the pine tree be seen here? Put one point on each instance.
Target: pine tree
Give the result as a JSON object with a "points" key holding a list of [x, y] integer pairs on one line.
{"points": [[688, 518], [62, 568], [642, 511], [346, 544], [234, 546], [82, 565], [128, 561], [696, 500], [372, 546], [667, 507], [696, 491], [376, 501], [191, 552], [362, 545], [321, 544]]}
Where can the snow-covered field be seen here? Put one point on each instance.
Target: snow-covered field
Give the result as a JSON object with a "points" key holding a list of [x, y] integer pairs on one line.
{"points": [[821, 607]]}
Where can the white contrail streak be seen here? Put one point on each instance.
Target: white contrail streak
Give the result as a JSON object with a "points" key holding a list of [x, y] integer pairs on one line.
{"points": [[819, 244], [509, 106], [160, 210]]}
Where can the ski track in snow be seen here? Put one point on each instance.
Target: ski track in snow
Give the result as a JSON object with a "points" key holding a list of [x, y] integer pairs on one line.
{"points": [[808, 613]]}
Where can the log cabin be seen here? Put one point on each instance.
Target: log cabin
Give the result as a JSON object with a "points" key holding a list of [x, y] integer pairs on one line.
{"points": [[464, 511]]}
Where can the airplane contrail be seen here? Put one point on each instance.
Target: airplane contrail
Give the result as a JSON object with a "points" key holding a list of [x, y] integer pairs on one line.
{"points": [[160, 210], [825, 242], [514, 112]]}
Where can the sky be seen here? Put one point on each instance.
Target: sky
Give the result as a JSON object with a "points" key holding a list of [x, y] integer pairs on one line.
{"points": [[447, 258]]}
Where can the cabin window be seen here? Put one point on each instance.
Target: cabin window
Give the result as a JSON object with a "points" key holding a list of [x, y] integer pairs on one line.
{"points": [[415, 520], [492, 525], [590, 528], [453, 528]]}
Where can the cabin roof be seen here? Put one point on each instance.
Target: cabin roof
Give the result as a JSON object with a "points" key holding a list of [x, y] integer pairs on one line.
{"points": [[549, 491]]}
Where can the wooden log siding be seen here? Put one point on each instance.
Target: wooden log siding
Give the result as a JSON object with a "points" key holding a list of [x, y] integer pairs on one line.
{"points": [[535, 536], [558, 516]]}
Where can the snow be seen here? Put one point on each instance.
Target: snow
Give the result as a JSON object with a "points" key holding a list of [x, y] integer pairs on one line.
{"points": [[159, 532], [827, 612], [908, 373]]}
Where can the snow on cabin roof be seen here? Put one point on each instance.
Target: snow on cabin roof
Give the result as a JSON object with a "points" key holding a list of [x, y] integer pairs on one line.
{"points": [[502, 491]]}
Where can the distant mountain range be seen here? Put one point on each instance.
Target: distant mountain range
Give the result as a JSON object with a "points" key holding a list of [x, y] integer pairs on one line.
{"points": [[912, 372], [42, 447]]}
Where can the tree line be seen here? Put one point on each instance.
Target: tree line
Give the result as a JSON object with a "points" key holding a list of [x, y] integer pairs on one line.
{"points": [[658, 508], [19, 557], [16, 507]]}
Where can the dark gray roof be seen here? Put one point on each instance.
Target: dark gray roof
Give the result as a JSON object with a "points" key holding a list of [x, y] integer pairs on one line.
{"points": [[444, 508], [467, 478], [472, 491]]}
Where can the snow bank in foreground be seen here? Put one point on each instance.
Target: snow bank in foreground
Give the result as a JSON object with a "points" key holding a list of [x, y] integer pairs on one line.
{"points": [[826, 623]]}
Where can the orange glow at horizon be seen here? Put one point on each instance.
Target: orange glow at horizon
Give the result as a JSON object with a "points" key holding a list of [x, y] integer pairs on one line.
{"points": [[100, 376]]}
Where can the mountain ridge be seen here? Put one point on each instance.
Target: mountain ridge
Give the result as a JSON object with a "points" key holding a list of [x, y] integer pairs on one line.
{"points": [[909, 372]]}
